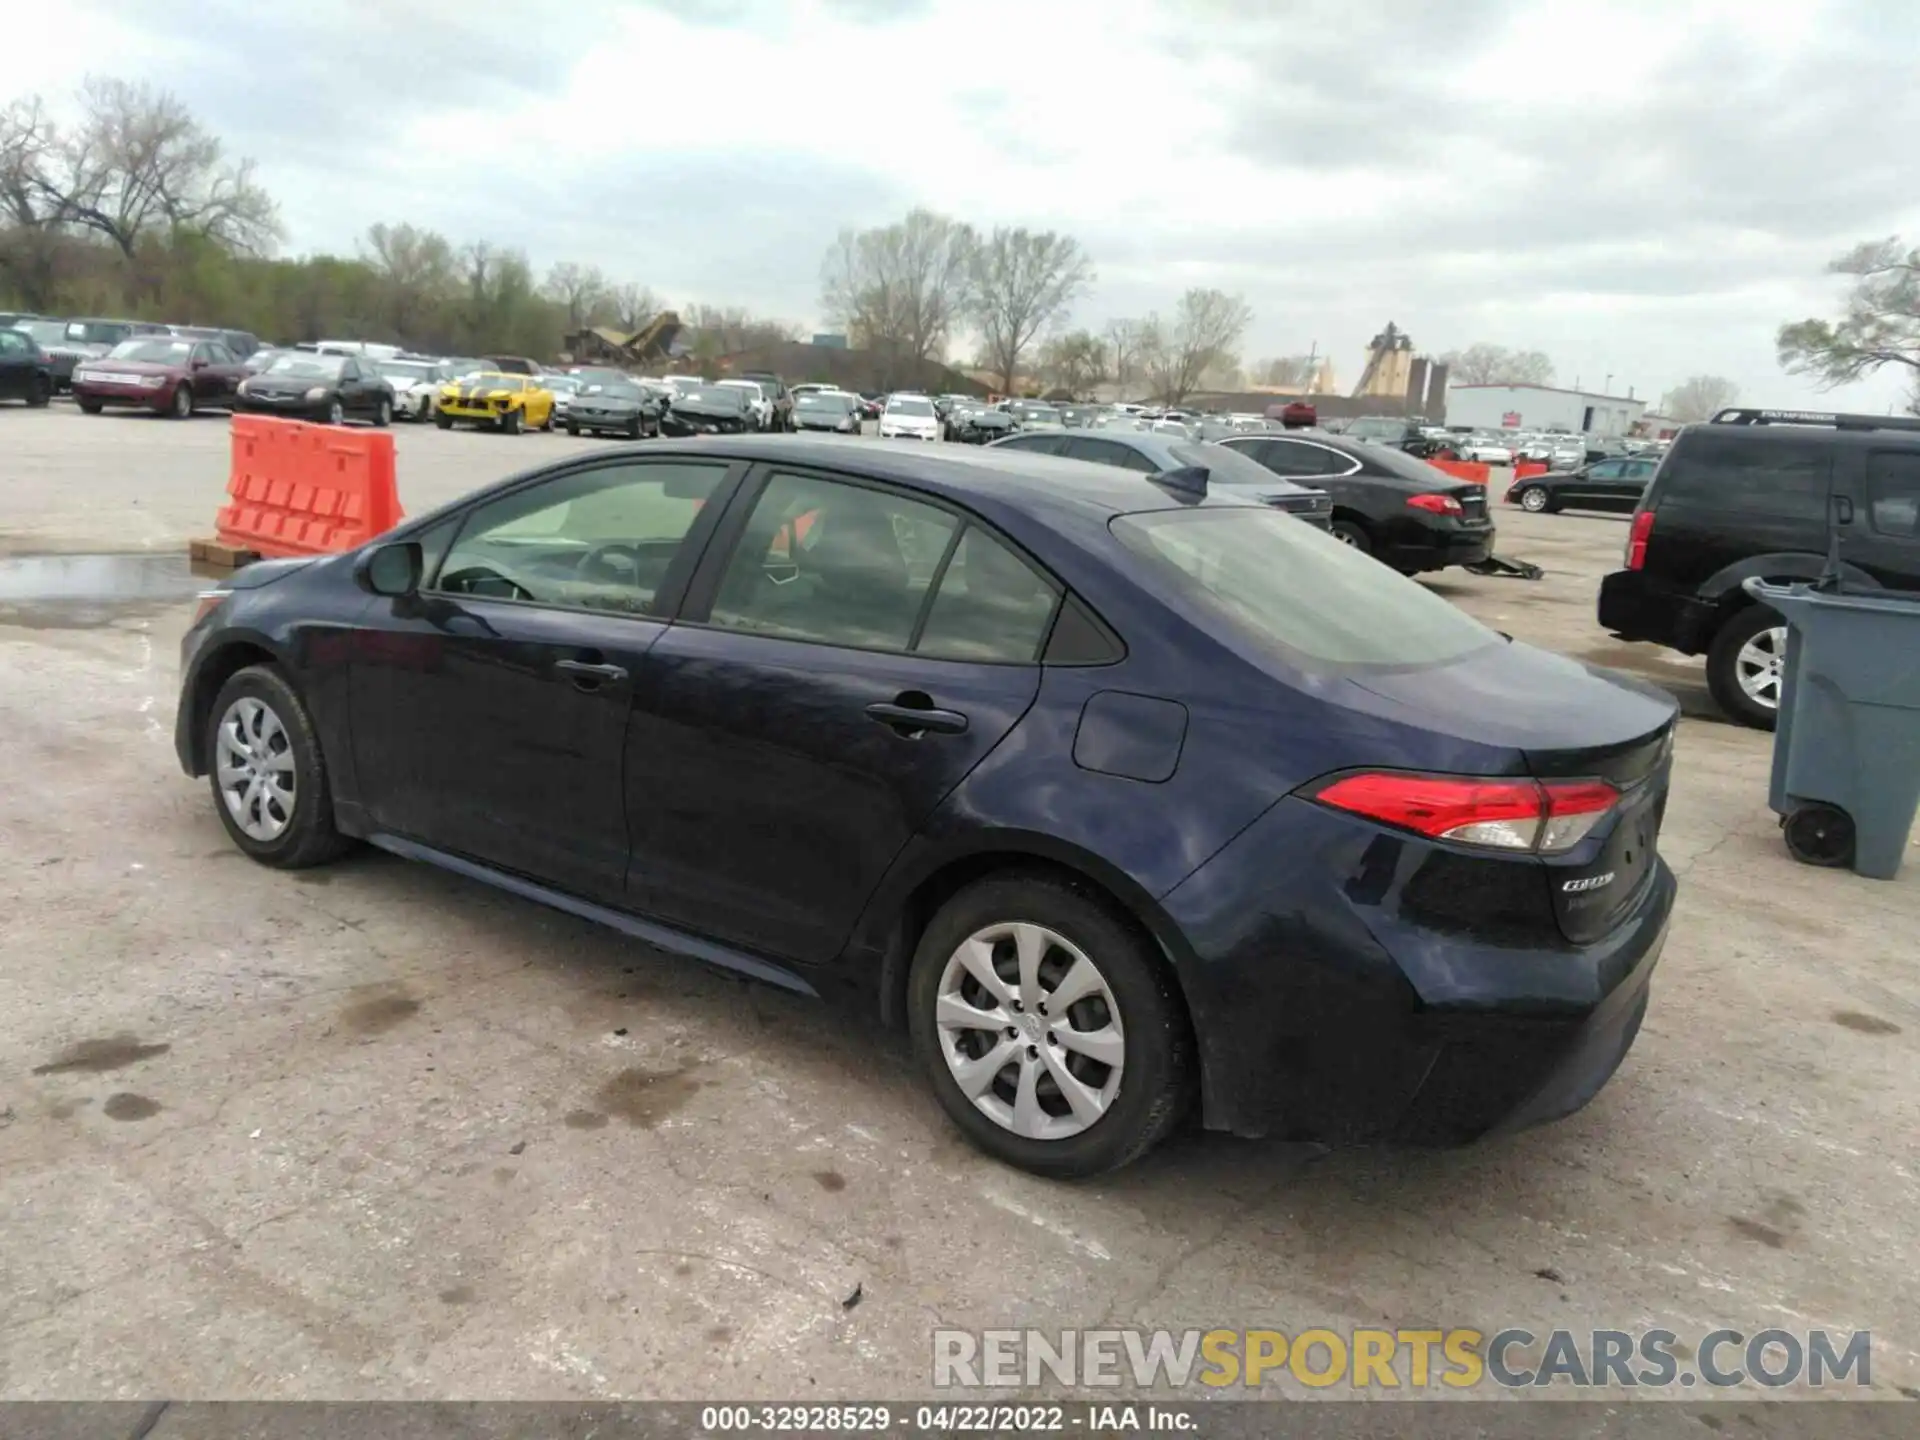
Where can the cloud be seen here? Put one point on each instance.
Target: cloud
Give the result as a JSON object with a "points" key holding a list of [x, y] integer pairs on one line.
{"points": [[1643, 190]]}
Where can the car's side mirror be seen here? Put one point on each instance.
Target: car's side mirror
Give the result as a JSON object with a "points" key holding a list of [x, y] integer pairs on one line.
{"points": [[392, 570]]}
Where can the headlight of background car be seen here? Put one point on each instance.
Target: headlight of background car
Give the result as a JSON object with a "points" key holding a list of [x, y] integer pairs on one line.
{"points": [[318, 392], [246, 387], [152, 382]]}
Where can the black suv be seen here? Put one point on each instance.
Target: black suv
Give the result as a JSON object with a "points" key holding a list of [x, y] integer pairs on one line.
{"points": [[1763, 493], [1398, 509]]}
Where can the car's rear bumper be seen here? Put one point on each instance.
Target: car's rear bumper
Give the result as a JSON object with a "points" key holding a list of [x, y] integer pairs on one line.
{"points": [[1634, 605], [1437, 549], [1326, 1010]]}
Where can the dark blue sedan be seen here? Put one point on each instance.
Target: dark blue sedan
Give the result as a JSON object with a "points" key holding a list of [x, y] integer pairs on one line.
{"points": [[1121, 796]]}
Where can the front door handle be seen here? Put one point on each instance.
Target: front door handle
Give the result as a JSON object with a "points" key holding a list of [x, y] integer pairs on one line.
{"points": [[590, 675], [912, 720]]}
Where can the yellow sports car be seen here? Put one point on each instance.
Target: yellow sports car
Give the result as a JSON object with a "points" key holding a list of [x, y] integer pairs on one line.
{"points": [[506, 402]]}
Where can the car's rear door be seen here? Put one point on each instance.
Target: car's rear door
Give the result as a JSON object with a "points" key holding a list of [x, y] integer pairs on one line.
{"points": [[489, 712], [847, 654]]}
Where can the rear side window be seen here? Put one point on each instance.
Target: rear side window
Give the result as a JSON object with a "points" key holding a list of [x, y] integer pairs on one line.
{"points": [[991, 605], [1783, 478], [1893, 493], [1297, 588]]}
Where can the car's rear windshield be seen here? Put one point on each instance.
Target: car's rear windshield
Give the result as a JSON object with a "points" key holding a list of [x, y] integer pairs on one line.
{"points": [[1285, 583], [1766, 475], [1225, 464], [818, 400]]}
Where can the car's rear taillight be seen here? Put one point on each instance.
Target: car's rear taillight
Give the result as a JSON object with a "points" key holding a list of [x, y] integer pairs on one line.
{"points": [[1437, 504], [1538, 817], [1637, 538]]}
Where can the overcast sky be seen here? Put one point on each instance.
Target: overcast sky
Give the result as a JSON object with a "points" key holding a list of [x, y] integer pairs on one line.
{"points": [[1644, 191]]}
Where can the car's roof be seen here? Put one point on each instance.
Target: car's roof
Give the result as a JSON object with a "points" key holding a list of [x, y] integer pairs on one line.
{"points": [[967, 473]]}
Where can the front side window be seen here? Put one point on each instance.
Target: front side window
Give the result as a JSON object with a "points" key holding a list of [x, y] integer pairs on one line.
{"points": [[12, 342], [599, 539], [1297, 588]]}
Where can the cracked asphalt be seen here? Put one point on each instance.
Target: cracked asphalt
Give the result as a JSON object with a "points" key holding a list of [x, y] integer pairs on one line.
{"points": [[377, 1132]]}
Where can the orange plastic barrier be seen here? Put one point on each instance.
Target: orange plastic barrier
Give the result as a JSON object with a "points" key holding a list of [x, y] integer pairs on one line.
{"points": [[1474, 472], [300, 489], [1528, 467]]}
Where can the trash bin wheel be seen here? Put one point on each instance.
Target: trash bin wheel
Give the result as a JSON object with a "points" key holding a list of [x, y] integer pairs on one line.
{"points": [[1819, 835]]}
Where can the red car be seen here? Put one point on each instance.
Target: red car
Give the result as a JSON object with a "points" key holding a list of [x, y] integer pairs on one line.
{"points": [[167, 374]]}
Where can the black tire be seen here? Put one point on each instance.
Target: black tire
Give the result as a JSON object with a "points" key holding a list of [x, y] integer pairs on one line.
{"points": [[383, 414], [336, 412], [1536, 500], [573, 430], [181, 406], [1349, 532], [1156, 1083], [1818, 834], [91, 407], [445, 422], [40, 395], [309, 837], [1723, 657], [635, 431], [511, 422]]}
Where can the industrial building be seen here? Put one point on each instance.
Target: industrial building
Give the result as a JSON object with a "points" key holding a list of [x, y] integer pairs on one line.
{"points": [[1542, 407]]}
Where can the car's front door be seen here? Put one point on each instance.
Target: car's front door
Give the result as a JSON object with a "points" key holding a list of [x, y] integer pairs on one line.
{"points": [[846, 656], [19, 358], [1624, 493], [489, 712]]}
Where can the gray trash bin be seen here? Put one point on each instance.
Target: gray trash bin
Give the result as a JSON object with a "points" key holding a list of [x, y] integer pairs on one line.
{"points": [[1846, 749]]}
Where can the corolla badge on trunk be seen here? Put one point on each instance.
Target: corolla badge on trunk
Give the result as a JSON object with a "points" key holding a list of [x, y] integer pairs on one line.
{"points": [[1590, 882]]}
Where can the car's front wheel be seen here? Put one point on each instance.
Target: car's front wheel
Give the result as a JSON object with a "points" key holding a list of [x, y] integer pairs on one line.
{"points": [[182, 406], [1535, 498], [510, 422], [268, 776], [91, 407], [445, 422], [1349, 533], [40, 393], [1746, 665], [383, 413], [336, 412], [1048, 1029]]}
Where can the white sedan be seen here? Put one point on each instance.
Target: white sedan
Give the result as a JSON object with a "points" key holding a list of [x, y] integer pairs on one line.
{"points": [[910, 417], [1488, 449]]}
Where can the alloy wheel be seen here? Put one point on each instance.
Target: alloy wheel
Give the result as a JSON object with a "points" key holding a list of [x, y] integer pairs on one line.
{"points": [[1030, 1031], [1534, 499], [1761, 664], [336, 414], [255, 768]]}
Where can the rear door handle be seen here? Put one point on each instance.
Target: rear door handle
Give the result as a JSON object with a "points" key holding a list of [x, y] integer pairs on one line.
{"points": [[911, 719], [587, 675]]}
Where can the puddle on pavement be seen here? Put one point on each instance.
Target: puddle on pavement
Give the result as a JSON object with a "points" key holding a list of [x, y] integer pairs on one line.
{"points": [[81, 592]]}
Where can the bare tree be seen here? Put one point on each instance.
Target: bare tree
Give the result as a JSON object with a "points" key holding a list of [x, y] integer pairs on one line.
{"points": [[140, 164], [719, 331], [1123, 351], [898, 290], [1074, 362], [631, 306], [580, 288], [1485, 364], [1881, 325], [1204, 336], [30, 245], [1023, 281], [1699, 398], [1284, 372], [417, 269]]}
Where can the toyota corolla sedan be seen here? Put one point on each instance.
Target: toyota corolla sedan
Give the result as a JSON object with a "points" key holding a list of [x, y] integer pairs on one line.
{"points": [[1128, 800]]}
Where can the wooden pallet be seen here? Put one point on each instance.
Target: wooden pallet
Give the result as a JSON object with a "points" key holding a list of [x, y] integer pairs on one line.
{"points": [[218, 556]]}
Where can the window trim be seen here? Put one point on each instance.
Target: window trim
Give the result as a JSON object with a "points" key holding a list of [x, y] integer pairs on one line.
{"points": [[672, 594], [1237, 441], [703, 589]]}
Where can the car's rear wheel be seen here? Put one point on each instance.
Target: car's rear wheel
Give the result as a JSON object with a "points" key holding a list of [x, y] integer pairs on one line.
{"points": [[91, 407], [268, 777], [573, 429], [40, 394], [182, 406], [1536, 499], [1348, 532], [1051, 1034], [1746, 665]]}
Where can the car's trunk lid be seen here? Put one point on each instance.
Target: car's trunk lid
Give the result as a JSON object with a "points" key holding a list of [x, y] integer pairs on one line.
{"points": [[1557, 719]]}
